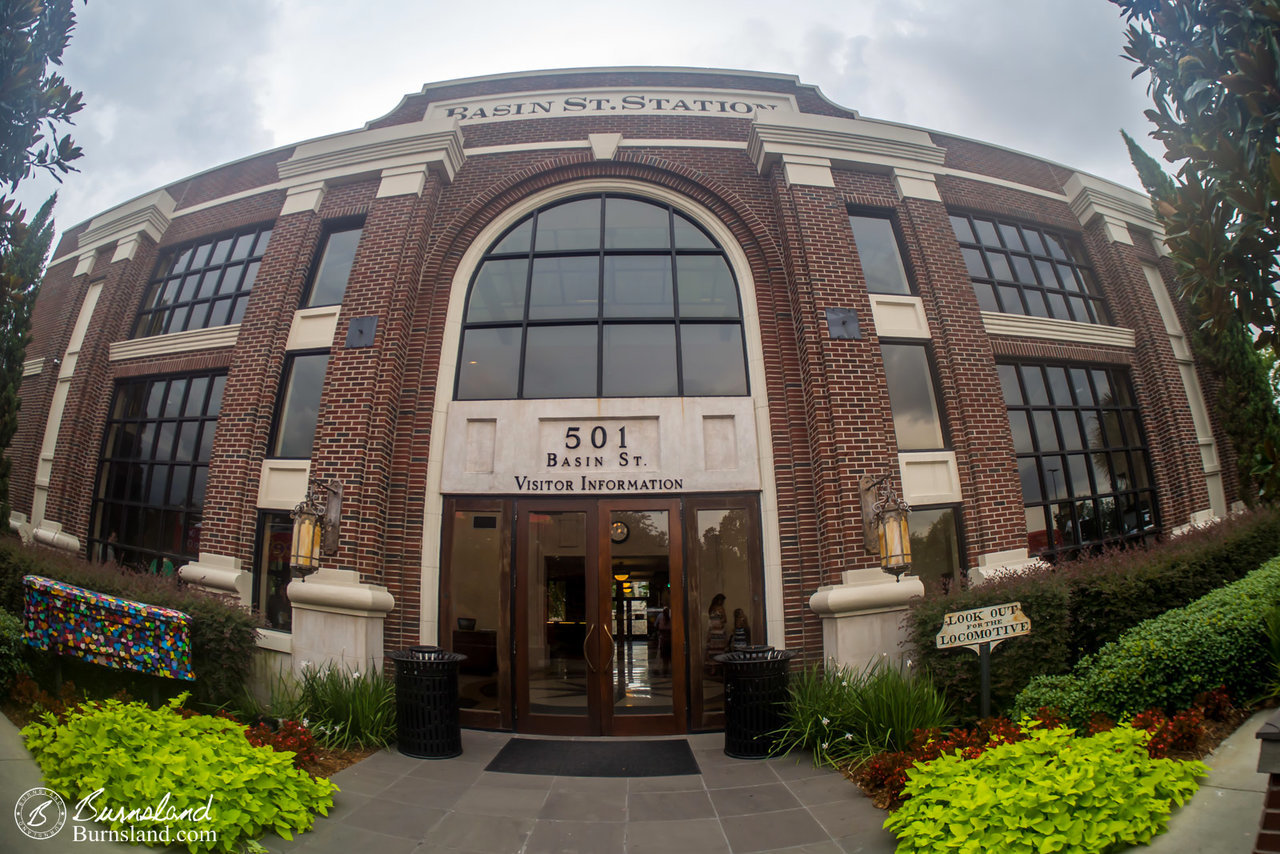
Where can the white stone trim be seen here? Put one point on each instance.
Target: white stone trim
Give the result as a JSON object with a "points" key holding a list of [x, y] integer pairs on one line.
{"points": [[32, 367], [807, 171], [862, 617], [282, 484], [220, 574], [84, 263], [929, 477], [993, 565], [175, 342], [1071, 331], [769, 511], [899, 316], [1118, 206], [403, 181], [340, 591], [125, 224], [842, 141], [302, 198], [275, 641], [913, 184], [436, 144], [48, 531], [604, 146], [313, 328]]}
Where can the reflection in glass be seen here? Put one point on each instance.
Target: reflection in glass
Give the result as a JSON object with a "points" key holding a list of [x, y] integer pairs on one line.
{"points": [[723, 584], [640, 360], [490, 364], [568, 226], [640, 573], [564, 288], [558, 613], [300, 406], [560, 361], [271, 574], [498, 293], [879, 255], [712, 358], [935, 547], [632, 224], [706, 286], [637, 286], [339, 255], [475, 605], [916, 420]]}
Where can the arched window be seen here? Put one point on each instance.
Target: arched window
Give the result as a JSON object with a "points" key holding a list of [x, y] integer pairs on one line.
{"points": [[602, 296]]}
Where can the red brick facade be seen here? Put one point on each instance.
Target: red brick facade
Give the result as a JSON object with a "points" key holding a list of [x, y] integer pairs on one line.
{"points": [[828, 407]]}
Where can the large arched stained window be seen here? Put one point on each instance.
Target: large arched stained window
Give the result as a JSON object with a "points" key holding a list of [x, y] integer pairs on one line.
{"points": [[602, 296]]}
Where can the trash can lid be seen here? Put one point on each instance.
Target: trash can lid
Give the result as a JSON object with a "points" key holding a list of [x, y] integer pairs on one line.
{"points": [[755, 653], [425, 653]]}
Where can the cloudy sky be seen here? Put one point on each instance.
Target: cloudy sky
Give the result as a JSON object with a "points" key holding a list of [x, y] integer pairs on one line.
{"points": [[174, 87]]}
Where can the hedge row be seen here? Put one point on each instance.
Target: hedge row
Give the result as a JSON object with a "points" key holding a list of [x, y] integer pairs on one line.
{"points": [[1165, 662], [1077, 607], [223, 635]]}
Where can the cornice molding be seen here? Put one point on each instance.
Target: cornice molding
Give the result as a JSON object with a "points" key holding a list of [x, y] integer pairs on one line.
{"points": [[1092, 197], [149, 215], [429, 144], [840, 141]]}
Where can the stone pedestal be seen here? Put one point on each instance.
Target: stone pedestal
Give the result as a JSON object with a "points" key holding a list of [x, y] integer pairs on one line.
{"points": [[337, 620], [220, 575], [861, 618]]}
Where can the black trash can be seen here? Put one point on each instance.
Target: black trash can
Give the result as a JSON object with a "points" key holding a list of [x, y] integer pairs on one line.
{"points": [[755, 693], [427, 702]]}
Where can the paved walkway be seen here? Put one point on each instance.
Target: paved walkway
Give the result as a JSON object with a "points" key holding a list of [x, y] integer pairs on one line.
{"points": [[391, 804]]}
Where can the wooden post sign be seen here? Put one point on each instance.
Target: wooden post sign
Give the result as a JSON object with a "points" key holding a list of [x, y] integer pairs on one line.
{"points": [[980, 629]]}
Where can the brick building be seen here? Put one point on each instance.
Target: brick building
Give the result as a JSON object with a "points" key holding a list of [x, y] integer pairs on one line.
{"points": [[601, 360]]}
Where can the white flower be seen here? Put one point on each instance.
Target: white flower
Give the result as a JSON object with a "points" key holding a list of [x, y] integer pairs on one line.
{"points": [[848, 736], [824, 745], [355, 675], [305, 664], [826, 721]]}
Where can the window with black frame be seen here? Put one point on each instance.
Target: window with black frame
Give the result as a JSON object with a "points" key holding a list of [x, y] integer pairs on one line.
{"points": [[1082, 457], [879, 254], [602, 296], [203, 285], [937, 555], [154, 471], [333, 266], [271, 571], [1024, 269], [299, 408], [913, 397]]}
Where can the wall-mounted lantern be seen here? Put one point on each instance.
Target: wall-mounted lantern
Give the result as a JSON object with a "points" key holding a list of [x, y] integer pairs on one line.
{"points": [[315, 526], [884, 524]]}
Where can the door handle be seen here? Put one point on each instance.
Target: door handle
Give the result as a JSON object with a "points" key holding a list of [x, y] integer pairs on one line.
{"points": [[613, 647], [585, 655]]}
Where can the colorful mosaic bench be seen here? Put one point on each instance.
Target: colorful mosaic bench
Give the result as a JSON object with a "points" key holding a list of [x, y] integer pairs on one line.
{"points": [[106, 630]]}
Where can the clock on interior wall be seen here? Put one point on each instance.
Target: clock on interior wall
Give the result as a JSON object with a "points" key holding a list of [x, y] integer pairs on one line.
{"points": [[618, 532]]}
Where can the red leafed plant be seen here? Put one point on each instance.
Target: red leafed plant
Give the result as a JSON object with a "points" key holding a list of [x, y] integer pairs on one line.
{"points": [[289, 735]]}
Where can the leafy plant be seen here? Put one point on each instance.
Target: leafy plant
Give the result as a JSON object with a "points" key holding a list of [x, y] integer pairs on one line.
{"points": [[1048, 792], [842, 715], [1166, 662], [290, 736], [1271, 631], [347, 709], [13, 662], [137, 756]]}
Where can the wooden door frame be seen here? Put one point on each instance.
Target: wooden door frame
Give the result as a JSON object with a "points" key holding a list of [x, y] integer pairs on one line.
{"points": [[676, 721], [593, 647]]}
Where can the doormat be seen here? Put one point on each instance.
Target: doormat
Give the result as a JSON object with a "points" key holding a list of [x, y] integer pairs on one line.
{"points": [[564, 758]]}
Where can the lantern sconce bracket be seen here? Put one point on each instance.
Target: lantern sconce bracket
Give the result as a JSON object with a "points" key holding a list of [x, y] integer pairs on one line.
{"points": [[882, 508], [321, 508]]}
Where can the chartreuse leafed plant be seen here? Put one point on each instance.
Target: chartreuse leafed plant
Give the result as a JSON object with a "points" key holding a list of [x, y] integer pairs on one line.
{"points": [[199, 774], [1051, 792], [347, 709], [843, 715]]}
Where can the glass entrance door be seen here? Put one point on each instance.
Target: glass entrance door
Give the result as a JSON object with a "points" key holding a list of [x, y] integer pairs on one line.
{"points": [[599, 618]]}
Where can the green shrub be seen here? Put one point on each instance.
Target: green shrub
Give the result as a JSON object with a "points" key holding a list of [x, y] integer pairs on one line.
{"points": [[13, 650], [1014, 662], [1165, 662], [1075, 607], [137, 756], [346, 709], [841, 715], [223, 635], [1050, 792]]}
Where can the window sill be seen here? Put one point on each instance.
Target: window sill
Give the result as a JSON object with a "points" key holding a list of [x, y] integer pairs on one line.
{"points": [[1021, 326], [176, 342]]}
